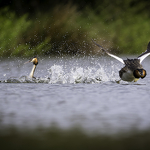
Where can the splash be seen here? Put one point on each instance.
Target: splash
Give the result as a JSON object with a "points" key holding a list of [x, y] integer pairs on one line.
{"points": [[58, 74]]}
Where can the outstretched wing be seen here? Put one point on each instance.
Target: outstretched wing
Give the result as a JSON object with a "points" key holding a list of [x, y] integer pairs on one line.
{"points": [[145, 54], [116, 57]]}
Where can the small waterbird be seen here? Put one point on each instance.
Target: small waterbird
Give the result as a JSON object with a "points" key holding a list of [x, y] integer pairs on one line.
{"points": [[133, 70], [35, 63]]}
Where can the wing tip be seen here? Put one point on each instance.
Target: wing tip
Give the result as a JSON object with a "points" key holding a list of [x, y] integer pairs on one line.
{"points": [[99, 46], [148, 46]]}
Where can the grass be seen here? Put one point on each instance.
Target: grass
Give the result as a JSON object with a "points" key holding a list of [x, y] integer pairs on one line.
{"points": [[54, 138], [65, 30]]}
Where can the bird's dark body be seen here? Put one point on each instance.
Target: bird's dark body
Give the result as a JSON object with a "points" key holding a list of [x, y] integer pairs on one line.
{"points": [[130, 64], [133, 64]]}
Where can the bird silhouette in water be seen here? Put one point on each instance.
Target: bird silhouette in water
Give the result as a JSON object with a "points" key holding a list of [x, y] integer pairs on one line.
{"points": [[35, 63], [133, 70]]}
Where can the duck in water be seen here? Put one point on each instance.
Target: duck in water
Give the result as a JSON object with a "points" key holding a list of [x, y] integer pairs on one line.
{"points": [[35, 63], [133, 70]]}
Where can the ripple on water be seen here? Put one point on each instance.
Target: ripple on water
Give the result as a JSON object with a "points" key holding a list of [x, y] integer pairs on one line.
{"points": [[97, 102]]}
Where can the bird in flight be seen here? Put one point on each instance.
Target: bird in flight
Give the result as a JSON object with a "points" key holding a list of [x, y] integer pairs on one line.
{"points": [[133, 70]]}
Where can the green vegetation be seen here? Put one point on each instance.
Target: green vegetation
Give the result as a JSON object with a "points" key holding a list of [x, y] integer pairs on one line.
{"points": [[67, 29], [73, 139]]}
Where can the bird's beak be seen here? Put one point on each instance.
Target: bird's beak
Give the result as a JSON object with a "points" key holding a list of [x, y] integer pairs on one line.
{"points": [[27, 62]]}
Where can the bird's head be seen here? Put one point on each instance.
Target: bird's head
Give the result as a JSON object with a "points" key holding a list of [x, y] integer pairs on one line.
{"points": [[34, 60], [139, 73]]}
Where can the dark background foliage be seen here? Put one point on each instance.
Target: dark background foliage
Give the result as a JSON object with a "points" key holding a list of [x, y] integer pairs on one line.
{"points": [[66, 27]]}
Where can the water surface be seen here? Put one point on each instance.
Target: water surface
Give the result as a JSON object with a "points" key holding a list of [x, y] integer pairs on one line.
{"points": [[70, 92]]}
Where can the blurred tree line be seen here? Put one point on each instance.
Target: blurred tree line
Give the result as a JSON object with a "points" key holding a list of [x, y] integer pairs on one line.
{"points": [[30, 27], [33, 6]]}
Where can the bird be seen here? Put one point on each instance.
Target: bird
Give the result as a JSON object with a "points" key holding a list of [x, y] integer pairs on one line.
{"points": [[133, 70], [35, 63]]}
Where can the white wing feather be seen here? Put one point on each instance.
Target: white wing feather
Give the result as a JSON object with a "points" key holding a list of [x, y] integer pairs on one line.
{"points": [[143, 57], [145, 54], [116, 57]]}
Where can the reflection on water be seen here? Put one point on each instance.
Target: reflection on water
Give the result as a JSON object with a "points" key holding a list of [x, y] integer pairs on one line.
{"points": [[78, 92]]}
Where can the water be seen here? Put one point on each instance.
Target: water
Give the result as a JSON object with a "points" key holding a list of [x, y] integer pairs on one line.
{"points": [[73, 92]]}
